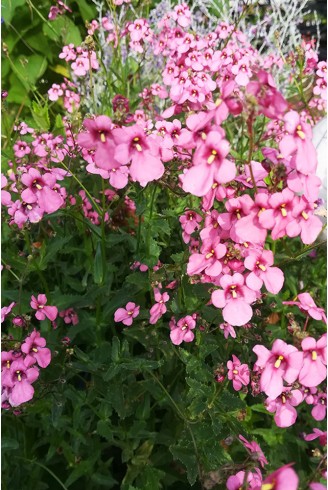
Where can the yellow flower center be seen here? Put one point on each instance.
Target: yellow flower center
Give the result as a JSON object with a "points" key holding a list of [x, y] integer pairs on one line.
{"points": [[300, 133], [278, 361], [209, 255], [283, 210], [212, 157]]}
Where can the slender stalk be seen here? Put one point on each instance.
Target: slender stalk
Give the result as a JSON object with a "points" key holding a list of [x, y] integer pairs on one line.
{"points": [[251, 148], [46, 469], [95, 205]]}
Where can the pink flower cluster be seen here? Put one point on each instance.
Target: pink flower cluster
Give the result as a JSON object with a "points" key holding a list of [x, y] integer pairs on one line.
{"points": [[32, 188], [302, 370], [83, 60], [139, 32], [283, 478], [67, 93], [58, 9], [287, 375], [19, 369]]}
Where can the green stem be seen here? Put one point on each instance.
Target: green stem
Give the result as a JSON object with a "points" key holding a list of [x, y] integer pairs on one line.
{"points": [[8, 268], [151, 210], [95, 205], [45, 468], [300, 255], [180, 413], [251, 148]]}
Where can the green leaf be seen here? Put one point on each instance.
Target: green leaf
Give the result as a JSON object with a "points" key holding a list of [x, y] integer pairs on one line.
{"points": [[88, 12], [104, 429], [59, 126], [41, 116], [98, 270], [149, 478], [30, 68], [18, 93], [8, 8], [230, 402], [103, 480], [7, 443], [83, 468], [259, 407], [184, 452], [65, 28]]}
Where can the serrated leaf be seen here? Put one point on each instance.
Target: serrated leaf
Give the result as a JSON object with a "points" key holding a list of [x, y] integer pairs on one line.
{"points": [[230, 402], [104, 429], [184, 452], [41, 116]]}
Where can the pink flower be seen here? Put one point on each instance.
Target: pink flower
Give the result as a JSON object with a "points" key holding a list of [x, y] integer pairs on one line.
{"points": [[314, 369], [307, 305], [182, 332], [271, 102], [127, 314], [254, 447], [5, 195], [228, 330], [133, 145], [209, 166], [7, 359], [248, 228], [119, 177], [282, 479], [99, 137], [40, 190], [317, 433], [69, 316], [21, 149], [5, 311], [319, 410], [208, 260], [298, 143], [317, 486], [305, 223], [283, 362], [189, 222], [238, 373], [55, 92], [235, 299], [81, 66], [254, 480], [34, 347], [283, 406], [22, 376], [43, 311], [159, 308], [237, 208], [260, 264], [68, 53], [182, 15], [279, 214]]}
